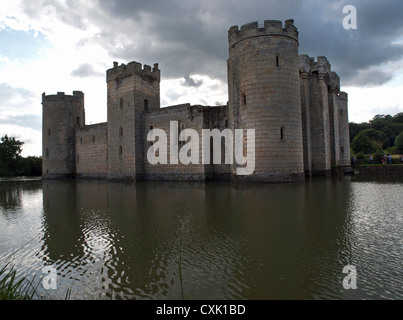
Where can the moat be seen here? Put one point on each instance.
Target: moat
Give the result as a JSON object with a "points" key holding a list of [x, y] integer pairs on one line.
{"points": [[236, 241]]}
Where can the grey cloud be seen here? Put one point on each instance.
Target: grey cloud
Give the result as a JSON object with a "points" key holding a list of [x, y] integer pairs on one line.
{"points": [[190, 82], [27, 120], [8, 92], [189, 37], [86, 70], [14, 99], [368, 78]]}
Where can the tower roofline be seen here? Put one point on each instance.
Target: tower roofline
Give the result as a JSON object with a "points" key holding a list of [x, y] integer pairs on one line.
{"points": [[270, 28], [123, 70], [77, 96]]}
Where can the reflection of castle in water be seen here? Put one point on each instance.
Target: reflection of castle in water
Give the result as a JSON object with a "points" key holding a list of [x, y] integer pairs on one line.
{"points": [[127, 237]]}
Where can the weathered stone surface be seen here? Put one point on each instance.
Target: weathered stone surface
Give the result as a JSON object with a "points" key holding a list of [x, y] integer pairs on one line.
{"points": [[293, 103]]}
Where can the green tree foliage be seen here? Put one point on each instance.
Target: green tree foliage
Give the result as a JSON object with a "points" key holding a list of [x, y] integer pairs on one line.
{"points": [[398, 117], [378, 155], [378, 138], [382, 131], [399, 143], [10, 156], [363, 144], [11, 161]]}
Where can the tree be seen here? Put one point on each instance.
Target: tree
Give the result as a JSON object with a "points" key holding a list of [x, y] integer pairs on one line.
{"points": [[399, 143], [10, 156], [362, 143], [378, 138], [355, 128], [398, 117]]}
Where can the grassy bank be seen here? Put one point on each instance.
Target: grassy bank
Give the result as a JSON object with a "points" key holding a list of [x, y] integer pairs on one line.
{"points": [[12, 288]]}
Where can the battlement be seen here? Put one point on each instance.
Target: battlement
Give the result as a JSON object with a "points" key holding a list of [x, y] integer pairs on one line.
{"points": [[61, 96], [343, 95], [322, 66], [270, 28], [133, 68]]}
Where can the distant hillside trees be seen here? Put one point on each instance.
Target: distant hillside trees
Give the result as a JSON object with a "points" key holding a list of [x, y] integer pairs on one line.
{"points": [[399, 143], [378, 135], [13, 164]]}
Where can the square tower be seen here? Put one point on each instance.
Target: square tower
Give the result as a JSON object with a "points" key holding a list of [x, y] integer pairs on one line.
{"points": [[132, 91]]}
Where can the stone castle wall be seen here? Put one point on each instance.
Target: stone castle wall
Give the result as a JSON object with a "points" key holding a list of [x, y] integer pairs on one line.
{"points": [[61, 115], [91, 151], [264, 94], [187, 117], [325, 120], [132, 90], [293, 103], [344, 130]]}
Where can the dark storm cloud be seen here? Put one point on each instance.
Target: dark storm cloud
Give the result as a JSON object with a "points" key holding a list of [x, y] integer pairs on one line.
{"points": [[190, 37], [353, 52]]}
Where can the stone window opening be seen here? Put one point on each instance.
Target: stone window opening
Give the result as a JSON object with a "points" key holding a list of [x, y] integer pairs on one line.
{"points": [[120, 150], [49, 132], [282, 133], [121, 103], [93, 139], [145, 105], [47, 153], [121, 132], [277, 61], [81, 140], [151, 128], [78, 121], [243, 99], [226, 123]]}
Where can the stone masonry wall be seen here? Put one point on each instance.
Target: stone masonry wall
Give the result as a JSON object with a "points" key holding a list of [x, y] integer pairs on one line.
{"points": [[187, 117], [131, 90], [334, 89], [293, 103], [264, 94], [61, 115], [91, 151], [315, 78], [344, 130]]}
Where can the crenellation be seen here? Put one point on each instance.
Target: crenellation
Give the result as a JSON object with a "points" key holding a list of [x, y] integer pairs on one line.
{"points": [[270, 28], [292, 102], [133, 68]]}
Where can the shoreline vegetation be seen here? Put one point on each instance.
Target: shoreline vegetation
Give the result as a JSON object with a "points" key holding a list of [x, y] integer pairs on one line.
{"points": [[14, 288], [378, 141], [12, 164]]}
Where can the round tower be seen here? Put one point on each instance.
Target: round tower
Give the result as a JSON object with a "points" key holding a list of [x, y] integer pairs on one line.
{"points": [[264, 94], [61, 115]]}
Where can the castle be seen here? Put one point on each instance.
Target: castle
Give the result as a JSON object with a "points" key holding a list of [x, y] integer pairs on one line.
{"points": [[293, 103]]}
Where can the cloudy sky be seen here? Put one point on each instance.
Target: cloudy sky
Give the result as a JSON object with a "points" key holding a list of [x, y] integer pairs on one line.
{"points": [[50, 46]]}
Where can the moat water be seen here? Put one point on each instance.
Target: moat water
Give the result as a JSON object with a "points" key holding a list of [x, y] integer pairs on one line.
{"points": [[235, 241]]}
